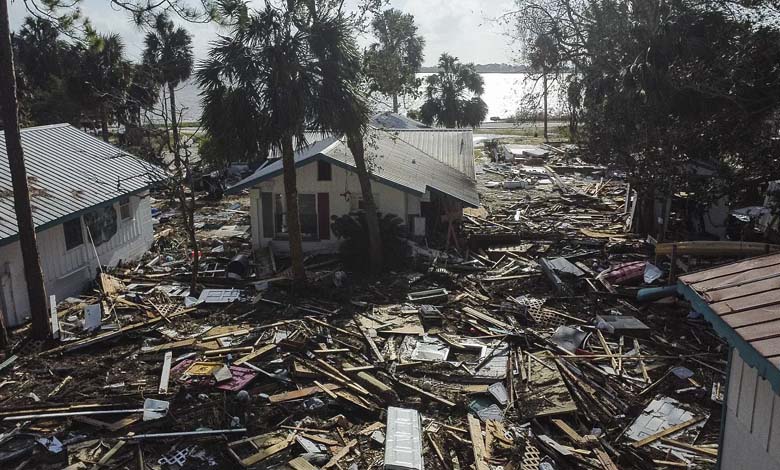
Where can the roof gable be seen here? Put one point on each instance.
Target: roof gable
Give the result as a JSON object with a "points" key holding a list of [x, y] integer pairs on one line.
{"points": [[396, 163]]}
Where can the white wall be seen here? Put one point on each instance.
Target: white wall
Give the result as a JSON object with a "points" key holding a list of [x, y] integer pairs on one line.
{"points": [[751, 433], [68, 272], [389, 201]]}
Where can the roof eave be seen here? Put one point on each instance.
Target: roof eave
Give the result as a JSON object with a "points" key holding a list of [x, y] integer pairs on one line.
{"points": [[748, 353]]}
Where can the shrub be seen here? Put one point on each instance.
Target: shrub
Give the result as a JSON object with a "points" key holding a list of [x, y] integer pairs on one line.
{"points": [[352, 229]]}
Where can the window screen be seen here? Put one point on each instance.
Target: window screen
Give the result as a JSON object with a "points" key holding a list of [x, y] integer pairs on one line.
{"points": [[73, 234]]}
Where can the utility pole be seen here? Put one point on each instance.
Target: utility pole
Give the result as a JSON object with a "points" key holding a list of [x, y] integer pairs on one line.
{"points": [[9, 109]]}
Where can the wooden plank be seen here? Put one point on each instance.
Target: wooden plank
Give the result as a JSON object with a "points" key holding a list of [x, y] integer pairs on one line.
{"points": [[166, 373], [299, 463], [109, 455], [569, 431], [715, 248], [185, 343], [604, 459], [259, 352], [730, 287], [326, 390], [374, 383], [54, 319], [374, 348], [760, 331], [477, 443], [752, 317], [749, 302], [302, 393], [427, 394], [733, 268], [340, 454], [264, 453], [767, 347], [476, 314], [710, 452], [666, 432]]}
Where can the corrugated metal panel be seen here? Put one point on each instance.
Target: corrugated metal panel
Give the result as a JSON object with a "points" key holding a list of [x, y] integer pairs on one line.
{"points": [[453, 147], [394, 161], [403, 444], [69, 171]]}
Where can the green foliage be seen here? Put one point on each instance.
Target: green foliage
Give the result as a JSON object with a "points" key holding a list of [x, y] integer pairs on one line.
{"points": [[279, 73], [453, 95], [354, 249], [664, 88], [392, 62], [168, 52]]}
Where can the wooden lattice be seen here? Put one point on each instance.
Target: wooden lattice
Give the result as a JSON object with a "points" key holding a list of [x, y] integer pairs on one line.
{"points": [[531, 458]]}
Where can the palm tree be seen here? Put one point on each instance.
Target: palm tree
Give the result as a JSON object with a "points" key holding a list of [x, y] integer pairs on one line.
{"points": [[544, 58], [168, 57], [393, 62], [298, 67], [104, 75], [343, 109], [453, 95]]}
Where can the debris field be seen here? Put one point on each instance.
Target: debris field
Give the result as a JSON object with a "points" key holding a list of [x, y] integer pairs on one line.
{"points": [[522, 347]]}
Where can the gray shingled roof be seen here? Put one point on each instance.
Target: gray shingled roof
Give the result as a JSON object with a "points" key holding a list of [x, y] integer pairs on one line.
{"points": [[69, 172], [397, 163]]}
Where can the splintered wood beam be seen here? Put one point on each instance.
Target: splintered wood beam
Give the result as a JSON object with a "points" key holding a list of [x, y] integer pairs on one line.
{"points": [[477, 443], [666, 432]]}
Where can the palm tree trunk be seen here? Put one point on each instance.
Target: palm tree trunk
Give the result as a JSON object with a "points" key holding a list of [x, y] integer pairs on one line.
{"points": [[293, 219], [187, 210], [103, 122], [395, 102], [36, 290], [355, 144], [545, 106]]}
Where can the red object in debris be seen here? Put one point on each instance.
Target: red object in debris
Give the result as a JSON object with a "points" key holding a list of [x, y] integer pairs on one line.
{"points": [[624, 273], [241, 376]]}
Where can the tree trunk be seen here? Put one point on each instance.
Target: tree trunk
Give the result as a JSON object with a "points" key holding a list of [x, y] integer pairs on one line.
{"points": [[103, 122], [355, 143], [36, 291], [293, 219], [545, 106], [187, 210], [395, 102]]}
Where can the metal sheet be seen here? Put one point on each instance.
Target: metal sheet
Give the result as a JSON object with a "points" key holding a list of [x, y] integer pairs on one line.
{"points": [[69, 171], [403, 442], [219, 296]]}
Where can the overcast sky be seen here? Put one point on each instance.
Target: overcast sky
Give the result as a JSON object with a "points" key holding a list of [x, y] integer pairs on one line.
{"points": [[464, 28]]}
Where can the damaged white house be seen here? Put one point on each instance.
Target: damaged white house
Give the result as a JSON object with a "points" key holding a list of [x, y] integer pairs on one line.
{"points": [[90, 205], [422, 175]]}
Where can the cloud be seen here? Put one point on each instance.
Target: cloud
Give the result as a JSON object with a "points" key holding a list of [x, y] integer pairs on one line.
{"points": [[464, 28]]}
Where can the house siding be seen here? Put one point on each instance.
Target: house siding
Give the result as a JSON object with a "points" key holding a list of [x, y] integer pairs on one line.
{"points": [[751, 431], [67, 272], [390, 200]]}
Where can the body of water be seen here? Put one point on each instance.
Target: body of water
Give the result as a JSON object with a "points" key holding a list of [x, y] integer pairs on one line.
{"points": [[505, 95]]}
